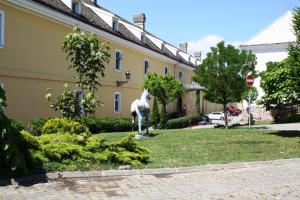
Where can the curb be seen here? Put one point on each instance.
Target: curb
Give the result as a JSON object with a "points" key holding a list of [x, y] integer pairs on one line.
{"points": [[140, 172]]}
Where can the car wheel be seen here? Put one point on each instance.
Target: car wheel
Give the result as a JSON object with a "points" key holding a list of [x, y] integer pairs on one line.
{"points": [[221, 118]]}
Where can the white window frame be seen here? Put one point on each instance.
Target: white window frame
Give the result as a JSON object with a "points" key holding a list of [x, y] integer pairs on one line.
{"points": [[79, 7], [146, 60], [120, 102], [2, 13], [180, 78], [166, 67], [115, 66]]}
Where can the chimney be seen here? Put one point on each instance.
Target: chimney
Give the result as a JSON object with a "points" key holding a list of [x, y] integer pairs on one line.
{"points": [[93, 2], [183, 47], [197, 55], [140, 20]]}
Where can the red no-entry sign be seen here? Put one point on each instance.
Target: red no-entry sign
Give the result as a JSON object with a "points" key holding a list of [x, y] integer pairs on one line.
{"points": [[250, 80]]}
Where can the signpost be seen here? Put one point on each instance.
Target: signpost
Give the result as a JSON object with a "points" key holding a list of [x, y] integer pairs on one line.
{"points": [[249, 81]]}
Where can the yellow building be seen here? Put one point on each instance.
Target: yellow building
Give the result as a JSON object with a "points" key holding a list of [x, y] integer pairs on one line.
{"points": [[32, 60]]}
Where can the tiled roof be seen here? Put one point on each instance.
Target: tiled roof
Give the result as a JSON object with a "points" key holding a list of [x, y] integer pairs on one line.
{"points": [[90, 17]]}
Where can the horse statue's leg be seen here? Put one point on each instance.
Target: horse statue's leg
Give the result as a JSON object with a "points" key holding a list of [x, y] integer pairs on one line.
{"points": [[140, 122]]}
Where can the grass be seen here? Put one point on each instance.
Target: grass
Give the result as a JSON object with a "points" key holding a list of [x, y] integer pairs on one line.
{"points": [[179, 148]]}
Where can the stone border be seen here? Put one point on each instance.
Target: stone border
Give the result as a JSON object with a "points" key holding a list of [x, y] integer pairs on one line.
{"points": [[140, 172]]}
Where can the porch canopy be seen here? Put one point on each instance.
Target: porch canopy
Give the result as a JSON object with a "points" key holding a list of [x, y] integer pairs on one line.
{"points": [[193, 87]]}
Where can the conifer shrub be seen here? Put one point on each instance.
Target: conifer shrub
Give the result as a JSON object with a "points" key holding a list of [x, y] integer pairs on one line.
{"points": [[155, 116], [63, 125], [36, 124]]}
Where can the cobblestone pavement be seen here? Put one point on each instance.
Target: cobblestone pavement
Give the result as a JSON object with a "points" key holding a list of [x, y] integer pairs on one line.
{"points": [[259, 180]]}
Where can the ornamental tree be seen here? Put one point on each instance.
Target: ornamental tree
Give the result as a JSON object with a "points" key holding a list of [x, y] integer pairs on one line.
{"points": [[88, 57], [223, 73], [166, 89]]}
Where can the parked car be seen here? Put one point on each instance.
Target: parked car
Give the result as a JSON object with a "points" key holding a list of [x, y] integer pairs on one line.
{"points": [[234, 111], [216, 116]]}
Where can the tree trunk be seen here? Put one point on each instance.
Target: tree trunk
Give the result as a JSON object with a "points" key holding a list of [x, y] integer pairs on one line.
{"points": [[198, 109], [225, 116]]}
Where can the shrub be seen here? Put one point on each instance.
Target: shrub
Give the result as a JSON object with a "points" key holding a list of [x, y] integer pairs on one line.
{"points": [[183, 122], [35, 126], [63, 125], [284, 115], [64, 151], [175, 115], [101, 125], [16, 125]]}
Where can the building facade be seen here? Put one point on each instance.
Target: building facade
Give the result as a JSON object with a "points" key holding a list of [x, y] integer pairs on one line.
{"points": [[32, 60], [271, 44]]}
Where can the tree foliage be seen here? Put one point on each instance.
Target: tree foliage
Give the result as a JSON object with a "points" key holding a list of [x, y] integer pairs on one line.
{"points": [[10, 155], [88, 58], [279, 86], [165, 88], [69, 106], [254, 94], [223, 73]]}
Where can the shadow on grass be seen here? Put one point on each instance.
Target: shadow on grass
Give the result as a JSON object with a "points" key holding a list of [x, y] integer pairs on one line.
{"points": [[286, 133], [151, 134], [250, 142]]}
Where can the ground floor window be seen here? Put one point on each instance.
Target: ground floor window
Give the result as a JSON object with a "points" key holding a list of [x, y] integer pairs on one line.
{"points": [[117, 102], [1, 28]]}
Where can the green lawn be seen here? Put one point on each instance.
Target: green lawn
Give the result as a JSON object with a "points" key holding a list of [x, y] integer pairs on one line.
{"points": [[176, 148]]}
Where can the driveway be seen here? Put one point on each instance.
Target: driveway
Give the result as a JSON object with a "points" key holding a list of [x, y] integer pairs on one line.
{"points": [[281, 127], [256, 180]]}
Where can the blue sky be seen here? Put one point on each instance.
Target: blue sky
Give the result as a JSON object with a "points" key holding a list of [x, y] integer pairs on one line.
{"points": [[203, 22]]}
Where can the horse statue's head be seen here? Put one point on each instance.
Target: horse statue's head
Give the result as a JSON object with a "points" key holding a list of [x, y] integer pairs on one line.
{"points": [[146, 95]]}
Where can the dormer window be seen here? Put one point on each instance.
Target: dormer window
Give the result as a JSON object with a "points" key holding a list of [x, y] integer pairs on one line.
{"points": [[115, 25], [76, 8], [143, 38], [163, 46]]}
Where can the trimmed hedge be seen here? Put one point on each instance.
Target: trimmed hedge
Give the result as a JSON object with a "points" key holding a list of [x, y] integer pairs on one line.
{"points": [[95, 124], [101, 125], [183, 122]]}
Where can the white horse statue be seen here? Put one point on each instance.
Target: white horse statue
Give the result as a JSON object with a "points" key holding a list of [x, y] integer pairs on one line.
{"points": [[140, 107]]}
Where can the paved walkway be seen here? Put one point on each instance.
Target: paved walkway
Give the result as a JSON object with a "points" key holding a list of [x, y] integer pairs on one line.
{"points": [[256, 180], [283, 127]]}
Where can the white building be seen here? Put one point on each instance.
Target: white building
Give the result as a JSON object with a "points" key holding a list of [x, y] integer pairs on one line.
{"points": [[271, 44]]}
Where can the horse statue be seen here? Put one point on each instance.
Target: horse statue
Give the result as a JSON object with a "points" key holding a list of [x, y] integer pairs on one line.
{"points": [[140, 107]]}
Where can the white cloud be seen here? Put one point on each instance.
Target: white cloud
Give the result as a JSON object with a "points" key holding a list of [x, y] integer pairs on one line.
{"points": [[205, 43]]}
